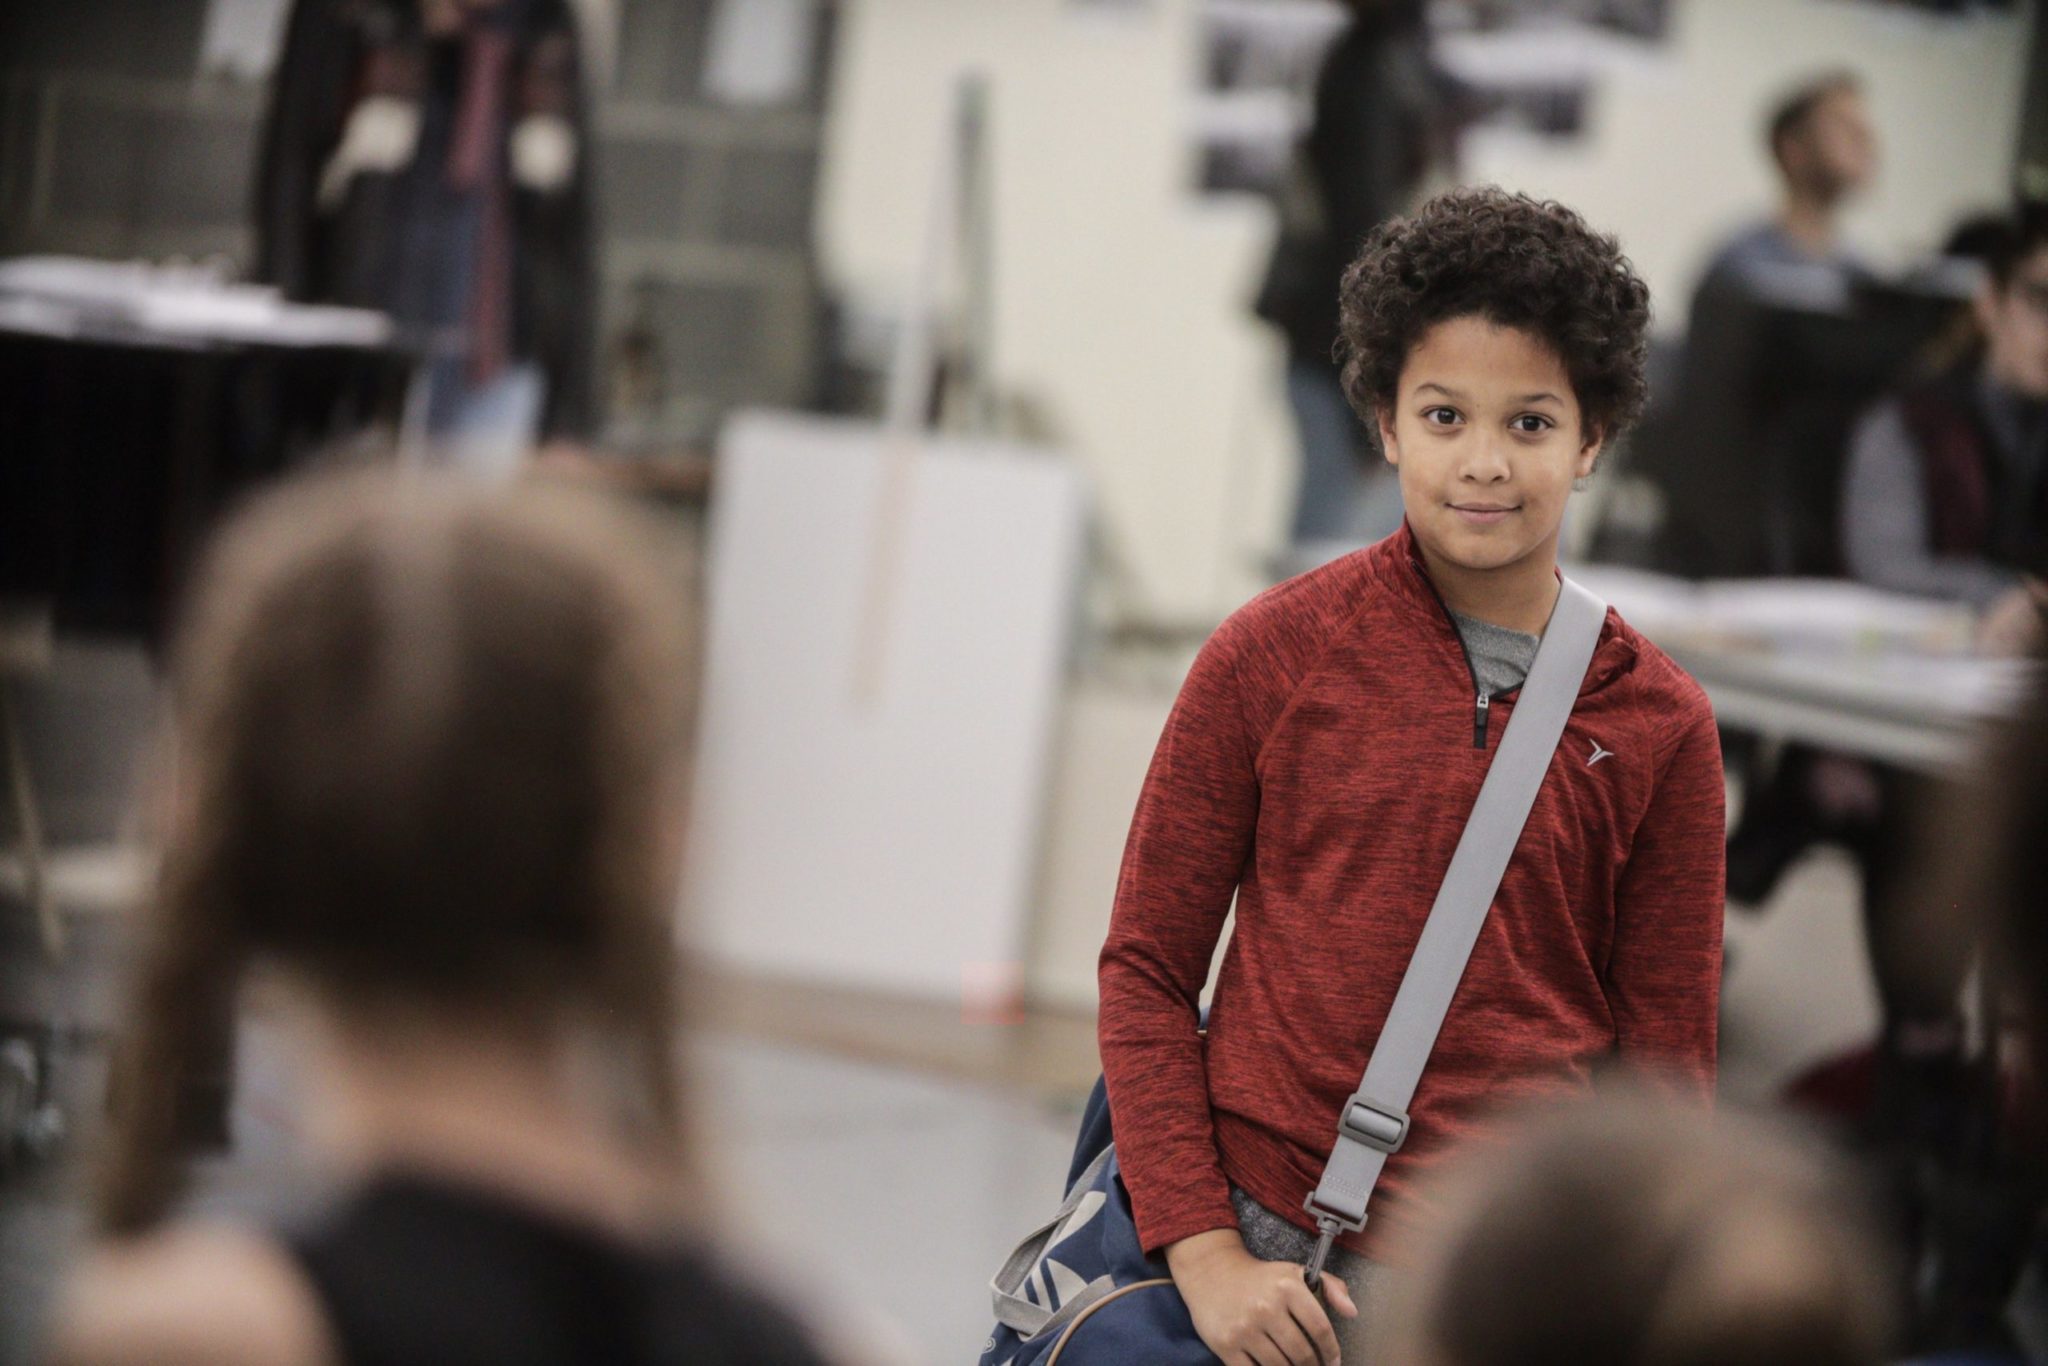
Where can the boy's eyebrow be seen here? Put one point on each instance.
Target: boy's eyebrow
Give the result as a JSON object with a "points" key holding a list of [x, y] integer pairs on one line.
{"points": [[1453, 393]]}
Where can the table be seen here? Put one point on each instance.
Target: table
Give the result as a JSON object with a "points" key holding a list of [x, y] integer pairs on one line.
{"points": [[1920, 713], [1836, 665], [137, 402]]}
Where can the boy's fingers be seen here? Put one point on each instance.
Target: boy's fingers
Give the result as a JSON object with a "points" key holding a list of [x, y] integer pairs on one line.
{"points": [[1314, 1322], [1265, 1353], [1289, 1344], [1338, 1296]]}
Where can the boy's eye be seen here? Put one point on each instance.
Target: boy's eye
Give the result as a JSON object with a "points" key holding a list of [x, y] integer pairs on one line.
{"points": [[1532, 423], [1440, 416]]}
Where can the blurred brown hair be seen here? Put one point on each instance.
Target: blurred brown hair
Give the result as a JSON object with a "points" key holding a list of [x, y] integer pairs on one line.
{"points": [[1624, 1233], [426, 744]]}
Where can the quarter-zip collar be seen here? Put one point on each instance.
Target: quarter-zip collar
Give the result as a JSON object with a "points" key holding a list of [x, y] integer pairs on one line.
{"points": [[1482, 700], [1396, 565]]}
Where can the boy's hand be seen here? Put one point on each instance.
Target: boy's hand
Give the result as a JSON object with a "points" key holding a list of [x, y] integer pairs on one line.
{"points": [[1254, 1313]]}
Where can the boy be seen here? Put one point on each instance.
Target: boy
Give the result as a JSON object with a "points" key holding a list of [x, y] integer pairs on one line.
{"points": [[1325, 752]]}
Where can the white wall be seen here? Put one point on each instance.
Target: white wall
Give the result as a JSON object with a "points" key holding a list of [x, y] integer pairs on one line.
{"points": [[1117, 292], [1120, 296]]}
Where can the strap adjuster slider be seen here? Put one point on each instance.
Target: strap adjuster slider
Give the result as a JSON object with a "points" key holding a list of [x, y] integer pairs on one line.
{"points": [[1375, 1125]]}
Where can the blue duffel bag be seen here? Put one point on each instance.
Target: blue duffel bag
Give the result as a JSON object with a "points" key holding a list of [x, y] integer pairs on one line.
{"points": [[1081, 1289]]}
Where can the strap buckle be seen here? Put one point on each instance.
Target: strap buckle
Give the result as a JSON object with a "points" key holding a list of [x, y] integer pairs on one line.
{"points": [[1373, 1124], [1330, 1225]]}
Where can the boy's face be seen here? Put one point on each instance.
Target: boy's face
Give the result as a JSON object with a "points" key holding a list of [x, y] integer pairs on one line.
{"points": [[1486, 434]]}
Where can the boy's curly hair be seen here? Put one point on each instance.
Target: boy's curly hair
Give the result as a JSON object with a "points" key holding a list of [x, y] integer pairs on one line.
{"points": [[1514, 261]]}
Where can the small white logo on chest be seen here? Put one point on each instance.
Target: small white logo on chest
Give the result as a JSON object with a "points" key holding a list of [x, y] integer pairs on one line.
{"points": [[1598, 753]]}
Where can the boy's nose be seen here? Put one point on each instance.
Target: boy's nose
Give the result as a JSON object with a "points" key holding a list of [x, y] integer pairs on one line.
{"points": [[1487, 463]]}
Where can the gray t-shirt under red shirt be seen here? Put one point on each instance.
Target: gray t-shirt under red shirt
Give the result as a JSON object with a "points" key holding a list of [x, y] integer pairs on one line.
{"points": [[1499, 656]]}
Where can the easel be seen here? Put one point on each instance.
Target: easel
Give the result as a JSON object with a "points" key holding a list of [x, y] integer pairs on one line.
{"points": [[958, 226]]}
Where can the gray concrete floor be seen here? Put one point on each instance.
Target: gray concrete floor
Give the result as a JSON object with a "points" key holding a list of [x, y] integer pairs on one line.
{"points": [[902, 1195]]}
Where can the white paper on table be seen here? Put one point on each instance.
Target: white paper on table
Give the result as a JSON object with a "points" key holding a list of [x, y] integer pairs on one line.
{"points": [[180, 303], [1820, 615]]}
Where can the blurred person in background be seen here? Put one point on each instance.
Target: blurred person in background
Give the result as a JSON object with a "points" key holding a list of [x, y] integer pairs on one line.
{"points": [[1747, 442], [1966, 254], [428, 781], [1946, 493], [1994, 864], [431, 159], [1969, 1180], [1377, 129], [1946, 496], [1825, 151], [1726, 507], [1621, 1233]]}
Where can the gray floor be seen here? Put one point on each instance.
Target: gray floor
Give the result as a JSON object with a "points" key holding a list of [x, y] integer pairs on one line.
{"points": [[902, 1194]]}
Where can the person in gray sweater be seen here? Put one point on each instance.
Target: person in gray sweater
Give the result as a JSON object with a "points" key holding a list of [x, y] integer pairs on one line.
{"points": [[1946, 490]]}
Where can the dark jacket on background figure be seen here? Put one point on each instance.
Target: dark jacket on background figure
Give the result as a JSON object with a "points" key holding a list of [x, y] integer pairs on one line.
{"points": [[1373, 134], [443, 180], [1980, 500]]}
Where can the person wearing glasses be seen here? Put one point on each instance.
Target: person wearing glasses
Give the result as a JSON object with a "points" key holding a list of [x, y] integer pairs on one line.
{"points": [[1946, 492]]}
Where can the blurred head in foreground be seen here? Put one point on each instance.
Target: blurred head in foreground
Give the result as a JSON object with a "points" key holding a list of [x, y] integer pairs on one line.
{"points": [[425, 769], [1621, 1233]]}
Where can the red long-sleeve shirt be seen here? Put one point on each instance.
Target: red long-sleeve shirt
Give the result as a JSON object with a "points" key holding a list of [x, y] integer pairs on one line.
{"points": [[1319, 764]]}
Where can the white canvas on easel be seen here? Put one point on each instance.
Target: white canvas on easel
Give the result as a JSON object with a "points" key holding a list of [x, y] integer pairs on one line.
{"points": [[890, 611], [869, 798]]}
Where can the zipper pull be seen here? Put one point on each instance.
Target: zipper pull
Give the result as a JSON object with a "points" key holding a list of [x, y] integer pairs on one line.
{"points": [[1480, 708]]}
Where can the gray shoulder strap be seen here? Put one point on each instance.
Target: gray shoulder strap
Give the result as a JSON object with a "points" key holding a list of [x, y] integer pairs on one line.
{"points": [[1374, 1121]]}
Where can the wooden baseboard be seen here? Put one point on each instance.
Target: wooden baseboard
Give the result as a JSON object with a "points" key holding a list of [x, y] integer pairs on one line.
{"points": [[1048, 1052]]}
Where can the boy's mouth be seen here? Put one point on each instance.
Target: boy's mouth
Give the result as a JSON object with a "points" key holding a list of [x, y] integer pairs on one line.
{"points": [[1484, 514]]}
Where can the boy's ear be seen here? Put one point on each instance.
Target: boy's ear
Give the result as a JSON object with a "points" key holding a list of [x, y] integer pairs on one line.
{"points": [[1589, 453], [1383, 418]]}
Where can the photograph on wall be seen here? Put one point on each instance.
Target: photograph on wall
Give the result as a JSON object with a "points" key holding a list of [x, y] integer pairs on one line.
{"points": [[1256, 88]]}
